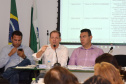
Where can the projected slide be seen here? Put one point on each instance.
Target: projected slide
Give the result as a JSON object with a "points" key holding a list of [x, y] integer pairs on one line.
{"points": [[105, 18]]}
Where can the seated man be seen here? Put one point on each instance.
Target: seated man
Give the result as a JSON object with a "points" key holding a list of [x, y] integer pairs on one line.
{"points": [[54, 51], [85, 55], [15, 55]]}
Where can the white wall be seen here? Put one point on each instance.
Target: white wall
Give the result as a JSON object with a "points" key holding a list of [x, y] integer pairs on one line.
{"points": [[47, 13], [47, 18]]}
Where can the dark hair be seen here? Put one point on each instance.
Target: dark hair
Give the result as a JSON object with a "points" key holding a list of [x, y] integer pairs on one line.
{"points": [[96, 79], [18, 33], [106, 57], [55, 31], [86, 30], [60, 75]]}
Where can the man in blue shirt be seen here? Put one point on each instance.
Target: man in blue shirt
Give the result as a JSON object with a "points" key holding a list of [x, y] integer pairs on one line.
{"points": [[15, 55]]}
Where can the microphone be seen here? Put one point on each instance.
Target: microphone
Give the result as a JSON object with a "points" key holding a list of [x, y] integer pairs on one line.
{"points": [[54, 46], [47, 32], [47, 36], [56, 64], [110, 49]]}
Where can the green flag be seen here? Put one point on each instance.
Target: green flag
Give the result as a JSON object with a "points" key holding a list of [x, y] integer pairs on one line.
{"points": [[34, 31]]}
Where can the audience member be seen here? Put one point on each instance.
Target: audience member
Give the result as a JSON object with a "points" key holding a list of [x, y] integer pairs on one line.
{"points": [[86, 54], [96, 79], [108, 71], [60, 75], [47, 52], [106, 57], [15, 55]]}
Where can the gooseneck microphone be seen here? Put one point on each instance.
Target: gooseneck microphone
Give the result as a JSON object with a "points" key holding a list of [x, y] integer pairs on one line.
{"points": [[110, 49], [56, 64], [47, 36]]}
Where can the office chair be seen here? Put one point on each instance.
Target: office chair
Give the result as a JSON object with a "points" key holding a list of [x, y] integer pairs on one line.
{"points": [[121, 59], [68, 61]]}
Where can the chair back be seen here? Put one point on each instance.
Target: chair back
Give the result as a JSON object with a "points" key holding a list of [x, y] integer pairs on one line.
{"points": [[121, 59]]}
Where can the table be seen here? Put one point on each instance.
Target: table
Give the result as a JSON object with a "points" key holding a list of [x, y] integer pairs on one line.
{"points": [[82, 75]]}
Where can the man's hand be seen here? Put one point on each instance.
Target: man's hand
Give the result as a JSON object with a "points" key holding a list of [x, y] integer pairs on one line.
{"points": [[21, 54], [43, 48], [12, 51]]}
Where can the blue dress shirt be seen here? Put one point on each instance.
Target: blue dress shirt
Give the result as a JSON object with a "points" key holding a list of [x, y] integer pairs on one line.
{"points": [[9, 61]]}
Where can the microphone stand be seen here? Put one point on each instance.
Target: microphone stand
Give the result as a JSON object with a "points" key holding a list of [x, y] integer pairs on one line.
{"points": [[56, 64]]}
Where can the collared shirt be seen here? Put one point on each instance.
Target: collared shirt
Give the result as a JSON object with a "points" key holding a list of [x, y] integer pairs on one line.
{"points": [[50, 55], [85, 57], [9, 61]]}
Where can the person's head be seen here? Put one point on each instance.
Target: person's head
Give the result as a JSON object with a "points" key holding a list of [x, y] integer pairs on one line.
{"points": [[96, 79], [59, 75], [106, 57], [85, 37], [16, 38], [108, 71], [55, 38]]}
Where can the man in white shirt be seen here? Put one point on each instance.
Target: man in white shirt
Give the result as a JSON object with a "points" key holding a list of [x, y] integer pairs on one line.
{"points": [[52, 53]]}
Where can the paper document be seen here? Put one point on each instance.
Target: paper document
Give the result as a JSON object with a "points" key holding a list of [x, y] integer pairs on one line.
{"points": [[26, 67], [74, 67]]}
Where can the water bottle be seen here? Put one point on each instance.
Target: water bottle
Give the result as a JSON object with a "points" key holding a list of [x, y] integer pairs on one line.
{"points": [[41, 81], [48, 66], [33, 81]]}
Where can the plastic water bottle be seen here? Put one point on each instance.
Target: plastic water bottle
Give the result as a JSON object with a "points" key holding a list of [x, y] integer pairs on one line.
{"points": [[33, 81], [41, 81], [48, 66]]}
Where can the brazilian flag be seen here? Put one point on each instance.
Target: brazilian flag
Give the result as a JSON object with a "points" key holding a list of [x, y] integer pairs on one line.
{"points": [[13, 24]]}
